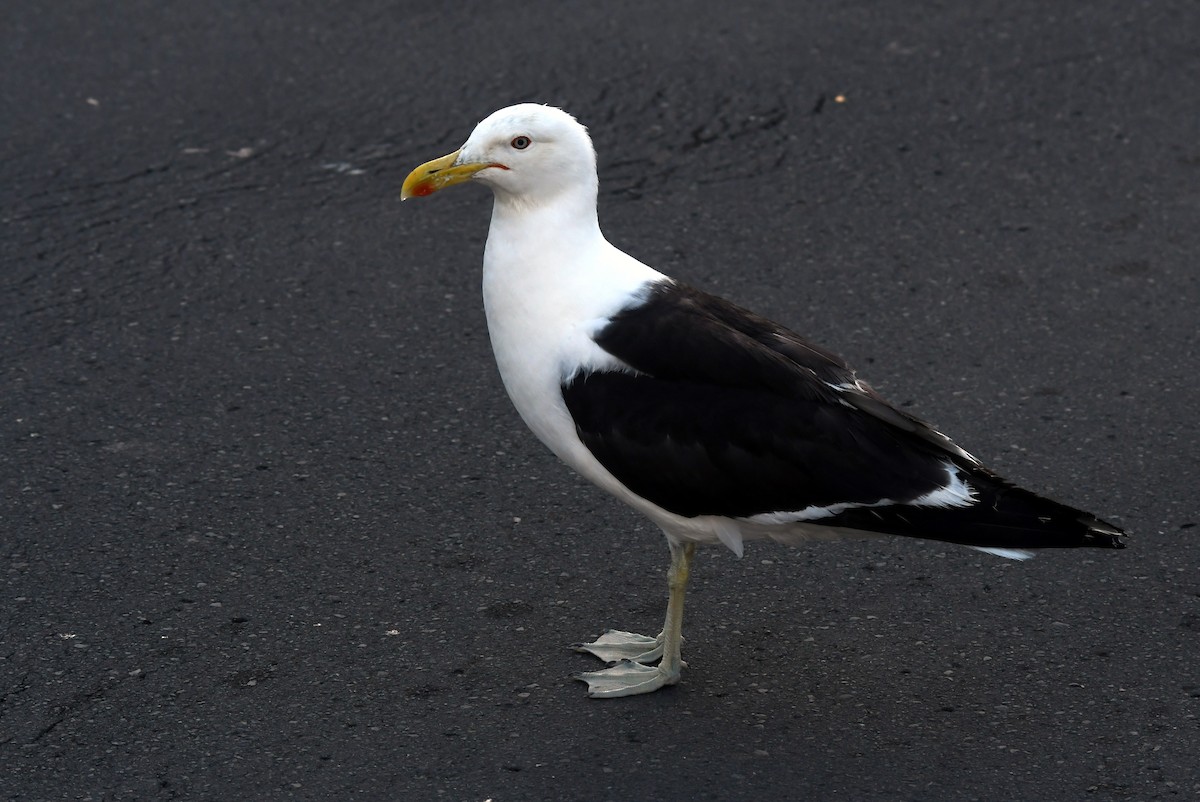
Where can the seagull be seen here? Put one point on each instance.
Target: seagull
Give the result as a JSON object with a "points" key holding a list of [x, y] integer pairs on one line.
{"points": [[718, 425]]}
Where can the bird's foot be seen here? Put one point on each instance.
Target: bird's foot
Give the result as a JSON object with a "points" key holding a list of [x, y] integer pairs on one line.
{"points": [[626, 678], [616, 645]]}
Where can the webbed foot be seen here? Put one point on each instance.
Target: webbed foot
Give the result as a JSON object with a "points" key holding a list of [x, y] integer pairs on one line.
{"points": [[616, 645], [626, 678]]}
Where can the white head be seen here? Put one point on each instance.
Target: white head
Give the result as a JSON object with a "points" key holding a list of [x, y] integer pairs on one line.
{"points": [[528, 154]]}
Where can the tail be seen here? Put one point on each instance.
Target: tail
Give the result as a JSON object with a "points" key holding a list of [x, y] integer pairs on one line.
{"points": [[1003, 518]]}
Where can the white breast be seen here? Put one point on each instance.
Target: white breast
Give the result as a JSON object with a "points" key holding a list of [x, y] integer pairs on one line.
{"points": [[548, 287]]}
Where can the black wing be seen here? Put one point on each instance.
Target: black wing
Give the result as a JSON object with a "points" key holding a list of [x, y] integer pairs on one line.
{"points": [[731, 414]]}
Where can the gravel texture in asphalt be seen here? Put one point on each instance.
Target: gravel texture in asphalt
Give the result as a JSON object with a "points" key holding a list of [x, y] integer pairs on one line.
{"points": [[272, 530]]}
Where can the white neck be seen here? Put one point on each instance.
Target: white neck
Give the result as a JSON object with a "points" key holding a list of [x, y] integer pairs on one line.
{"points": [[552, 261], [550, 281], [571, 211]]}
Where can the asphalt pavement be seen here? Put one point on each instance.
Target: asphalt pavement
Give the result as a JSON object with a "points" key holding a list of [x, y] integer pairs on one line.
{"points": [[271, 529]]}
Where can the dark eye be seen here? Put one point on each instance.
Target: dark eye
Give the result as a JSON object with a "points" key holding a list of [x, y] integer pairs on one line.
{"points": [[521, 142]]}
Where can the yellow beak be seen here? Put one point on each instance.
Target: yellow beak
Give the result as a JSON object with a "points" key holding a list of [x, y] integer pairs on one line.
{"points": [[437, 174]]}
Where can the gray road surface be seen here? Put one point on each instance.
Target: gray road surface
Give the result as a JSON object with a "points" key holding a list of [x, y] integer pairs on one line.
{"points": [[271, 529]]}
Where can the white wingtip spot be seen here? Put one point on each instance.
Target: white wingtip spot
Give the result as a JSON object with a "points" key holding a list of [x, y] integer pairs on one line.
{"points": [[1012, 554], [955, 493]]}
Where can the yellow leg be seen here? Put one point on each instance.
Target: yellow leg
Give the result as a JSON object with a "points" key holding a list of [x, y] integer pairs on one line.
{"points": [[677, 579]]}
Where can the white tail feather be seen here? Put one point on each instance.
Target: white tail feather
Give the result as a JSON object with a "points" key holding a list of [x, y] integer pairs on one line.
{"points": [[1012, 554]]}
